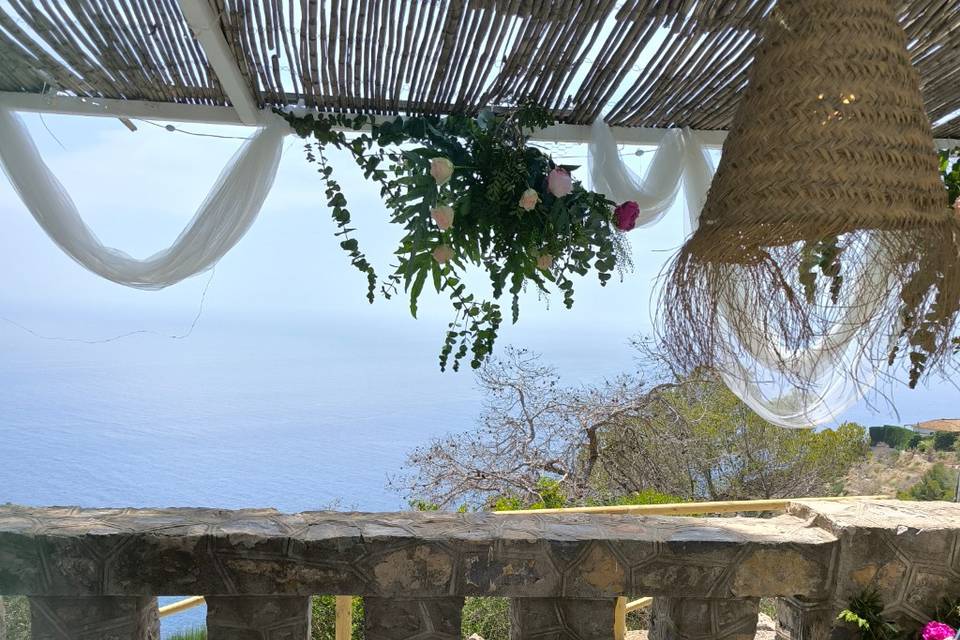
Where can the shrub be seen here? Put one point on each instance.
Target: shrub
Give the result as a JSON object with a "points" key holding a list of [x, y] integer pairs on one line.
{"points": [[939, 483], [487, 617], [325, 617], [945, 441], [897, 437], [14, 618], [865, 614]]}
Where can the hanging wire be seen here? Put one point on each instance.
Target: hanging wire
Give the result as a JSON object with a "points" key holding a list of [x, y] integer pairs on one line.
{"points": [[182, 336], [173, 128]]}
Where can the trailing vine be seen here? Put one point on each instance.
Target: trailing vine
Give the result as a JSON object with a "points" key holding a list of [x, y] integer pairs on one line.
{"points": [[471, 192]]}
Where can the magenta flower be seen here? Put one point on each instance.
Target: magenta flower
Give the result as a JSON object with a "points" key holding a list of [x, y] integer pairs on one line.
{"points": [[938, 631], [625, 216]]}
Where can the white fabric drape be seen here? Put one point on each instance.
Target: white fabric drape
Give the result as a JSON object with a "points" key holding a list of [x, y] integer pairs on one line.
{"points": [[220, 222], [837, 376]]}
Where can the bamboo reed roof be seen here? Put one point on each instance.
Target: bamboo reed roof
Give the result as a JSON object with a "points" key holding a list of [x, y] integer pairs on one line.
{"points": [[647, 63]]}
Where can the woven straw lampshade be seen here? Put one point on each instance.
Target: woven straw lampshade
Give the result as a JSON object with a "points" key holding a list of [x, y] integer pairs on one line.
{"points": [[831, 134], [829, 167]]}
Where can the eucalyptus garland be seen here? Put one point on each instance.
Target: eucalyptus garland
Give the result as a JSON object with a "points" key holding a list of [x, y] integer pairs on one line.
{"points": [[471, 192]]}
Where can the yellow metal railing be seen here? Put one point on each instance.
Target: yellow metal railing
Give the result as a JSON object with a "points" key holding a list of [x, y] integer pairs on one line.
{"points": [[344, 604]]}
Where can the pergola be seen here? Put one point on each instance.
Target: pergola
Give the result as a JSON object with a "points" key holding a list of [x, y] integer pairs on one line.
{"points": [[643, 65]]}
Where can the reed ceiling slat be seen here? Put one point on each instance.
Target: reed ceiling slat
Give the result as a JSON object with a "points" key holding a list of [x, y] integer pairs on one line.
{"points": [[643, 63]]}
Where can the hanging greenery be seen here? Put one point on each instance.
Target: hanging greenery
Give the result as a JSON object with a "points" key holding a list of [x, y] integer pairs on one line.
{"points": [[470, 191]]}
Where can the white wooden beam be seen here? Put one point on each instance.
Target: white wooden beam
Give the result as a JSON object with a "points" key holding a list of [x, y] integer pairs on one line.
{"points": [[133, 109], [207, 114], [206, 28]]}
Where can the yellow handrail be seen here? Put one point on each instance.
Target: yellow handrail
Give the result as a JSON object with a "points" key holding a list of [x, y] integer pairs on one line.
{"points": [[689, 508], [343, 628], [181, 605]]}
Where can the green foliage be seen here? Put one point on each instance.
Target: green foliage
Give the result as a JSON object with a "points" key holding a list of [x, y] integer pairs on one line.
{"points": [[14, 618], [487, 617], [551, 496], [423, 505], [493, 166], [944, 441], [939, 483], [865, 613], [821, 256], [325, 615], [948, 612], [898, 438], [644, 496], [199, 633], [950, 171]]}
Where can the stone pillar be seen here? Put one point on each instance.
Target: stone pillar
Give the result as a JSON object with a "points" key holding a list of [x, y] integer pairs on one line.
{"points": [[94, 618], [561, 618], [399, 619], [258, 617], [704, 619], [801, 620]]}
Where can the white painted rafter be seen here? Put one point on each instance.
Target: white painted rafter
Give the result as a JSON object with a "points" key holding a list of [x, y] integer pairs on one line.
{"points": [[207, 114], [206, 28]]}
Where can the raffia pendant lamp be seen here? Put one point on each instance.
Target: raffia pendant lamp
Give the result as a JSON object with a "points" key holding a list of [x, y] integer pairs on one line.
{"points": [[828, 179]]}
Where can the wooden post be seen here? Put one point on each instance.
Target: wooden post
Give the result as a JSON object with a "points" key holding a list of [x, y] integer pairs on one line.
{"points": [[344, 618], [620, 619]]}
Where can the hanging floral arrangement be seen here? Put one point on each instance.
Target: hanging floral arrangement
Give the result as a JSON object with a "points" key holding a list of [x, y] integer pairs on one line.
{"points": [[471, 192]]}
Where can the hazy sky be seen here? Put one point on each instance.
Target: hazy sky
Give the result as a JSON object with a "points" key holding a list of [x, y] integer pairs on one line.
{"points": [[287, 277]]}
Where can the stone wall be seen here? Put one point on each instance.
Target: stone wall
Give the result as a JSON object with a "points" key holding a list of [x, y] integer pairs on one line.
{"points": [[258, 567]]}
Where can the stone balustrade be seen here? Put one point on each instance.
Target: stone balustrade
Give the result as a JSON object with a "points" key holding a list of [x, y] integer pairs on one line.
{"points": [[94, 574]]}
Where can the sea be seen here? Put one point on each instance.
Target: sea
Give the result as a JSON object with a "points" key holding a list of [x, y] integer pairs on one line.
{"points": [[296, 417]]}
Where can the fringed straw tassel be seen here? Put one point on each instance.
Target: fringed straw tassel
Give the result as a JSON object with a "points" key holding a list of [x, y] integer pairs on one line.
{"points": [[826, 224]]}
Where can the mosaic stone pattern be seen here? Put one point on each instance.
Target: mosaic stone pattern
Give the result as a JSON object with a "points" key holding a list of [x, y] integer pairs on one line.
{"points": [[258, 618], [59, 551], [908, 551], [561, 619], [424, 619], [703, 619], [62, 618], [799, 620], [93, 574]]}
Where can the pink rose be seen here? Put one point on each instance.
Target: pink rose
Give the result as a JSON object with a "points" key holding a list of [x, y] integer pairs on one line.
{"points": [[441, 169], [938, 631], [443, 216], [529, 199], [559, 182], [442, 254], [956, 205], [544, 261], [625, 216]]}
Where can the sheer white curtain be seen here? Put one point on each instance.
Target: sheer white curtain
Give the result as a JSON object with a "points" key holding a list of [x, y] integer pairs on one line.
{"points": [[221, 220], [837, 376]]}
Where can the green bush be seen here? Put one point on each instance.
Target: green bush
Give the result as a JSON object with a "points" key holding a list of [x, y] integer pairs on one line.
{"points": [[896, 437], [14, 618], [939, 483], [944, 441], [325, 617], [487, 617], [193, 634]]}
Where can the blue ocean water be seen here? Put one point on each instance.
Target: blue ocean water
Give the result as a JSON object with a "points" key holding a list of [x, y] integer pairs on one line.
{"points": [[292, 417]]}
